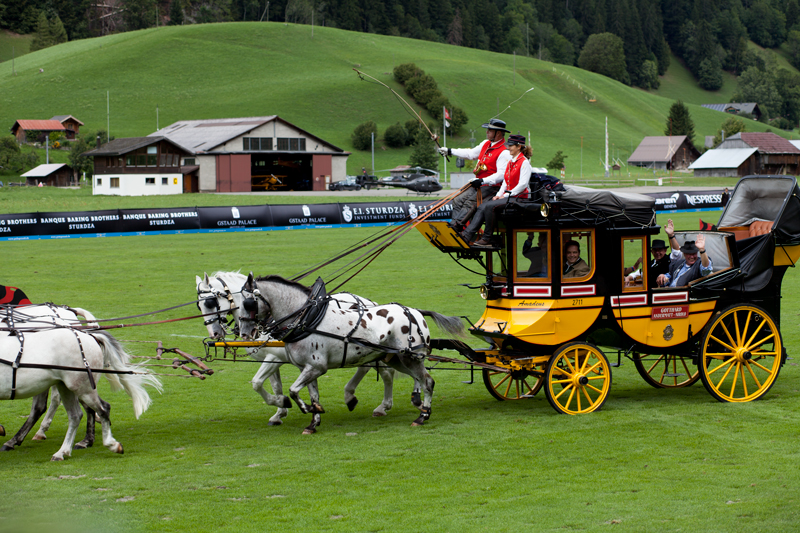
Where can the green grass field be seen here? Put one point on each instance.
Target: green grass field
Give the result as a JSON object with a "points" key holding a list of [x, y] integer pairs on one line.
{"points": [[256, 69], [12, 46], [203, 459]]}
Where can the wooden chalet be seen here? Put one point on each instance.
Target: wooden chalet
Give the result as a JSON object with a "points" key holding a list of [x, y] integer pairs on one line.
{"points": [[750, 153], [674, 152], [71, 125], [29, 131], [54, 175]]}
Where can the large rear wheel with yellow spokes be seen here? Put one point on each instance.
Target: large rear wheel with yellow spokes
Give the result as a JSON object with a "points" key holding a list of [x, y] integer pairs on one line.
{"points": [[742, 354], [578, 378]]}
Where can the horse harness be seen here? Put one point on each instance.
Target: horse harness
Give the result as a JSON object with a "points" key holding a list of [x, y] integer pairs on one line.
{"points": [[211, 304], [303, 322], [17, 364]]}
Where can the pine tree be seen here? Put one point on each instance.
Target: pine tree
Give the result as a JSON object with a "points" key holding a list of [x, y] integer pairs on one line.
{"points": [[176, 13], [58, 34], [41, 39], [424, 154], [679, 122]]}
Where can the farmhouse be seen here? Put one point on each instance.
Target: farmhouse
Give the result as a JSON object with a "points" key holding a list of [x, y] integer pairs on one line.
{"points": [[674, 152], [749, 153], [749, 108], [35, 130], [137, 166], [55, 175], [257, 154], [71, 125]]}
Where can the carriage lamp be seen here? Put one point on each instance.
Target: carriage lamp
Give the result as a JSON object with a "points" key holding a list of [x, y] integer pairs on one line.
{"points": [[485, 292], [544, 210]]}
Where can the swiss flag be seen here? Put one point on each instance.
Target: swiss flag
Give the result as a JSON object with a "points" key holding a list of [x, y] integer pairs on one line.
{"points": [[446, 114]]}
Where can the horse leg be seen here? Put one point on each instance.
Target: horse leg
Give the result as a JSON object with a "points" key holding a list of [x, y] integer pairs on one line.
{"points": [[350, 399], [416, 396], [55, 401], [270, 369], [387, 374], [92, 401], [416, 369], [74, 414], [307, 376], [37, 408], [88, 440], [316, 409]]}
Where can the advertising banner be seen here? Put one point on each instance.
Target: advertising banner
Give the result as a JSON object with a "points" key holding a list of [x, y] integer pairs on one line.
{"points": [[237, 217], [19, 225], [414, 209], [373, 212], [167, 219], [667, 201], [305, 215], [78, 222]]}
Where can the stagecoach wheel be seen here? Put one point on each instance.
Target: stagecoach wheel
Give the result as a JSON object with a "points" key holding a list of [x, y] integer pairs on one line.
{"points": [[666, 371], [578, 378], [741, 354], [517, 385]]}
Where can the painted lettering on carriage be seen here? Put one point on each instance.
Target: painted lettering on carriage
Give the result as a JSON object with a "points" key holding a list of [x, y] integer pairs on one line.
{"points": [[531, 304], [669, 312]]}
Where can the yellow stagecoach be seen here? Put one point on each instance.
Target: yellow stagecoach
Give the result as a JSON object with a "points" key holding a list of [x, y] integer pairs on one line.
{"points": [[545, 327]]}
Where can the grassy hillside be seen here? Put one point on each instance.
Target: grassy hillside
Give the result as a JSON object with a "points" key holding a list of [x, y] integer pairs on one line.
{"points": [[13, 46], [679, 84], [247, 69]]}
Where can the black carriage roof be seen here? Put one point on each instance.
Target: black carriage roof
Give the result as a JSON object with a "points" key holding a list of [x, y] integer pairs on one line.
{"points": [[585, 204]]}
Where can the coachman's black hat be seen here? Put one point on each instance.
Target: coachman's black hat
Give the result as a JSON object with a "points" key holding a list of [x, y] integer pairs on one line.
{"points": [[495, 124], [658, 243]]}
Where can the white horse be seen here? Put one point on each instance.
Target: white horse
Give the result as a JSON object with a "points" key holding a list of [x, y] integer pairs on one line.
{"points": [[45, 316], [33, 359], [220, 296], [343, 337]]}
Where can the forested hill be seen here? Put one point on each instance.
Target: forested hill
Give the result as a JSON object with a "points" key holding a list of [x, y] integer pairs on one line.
{"points": [[708, 35]]}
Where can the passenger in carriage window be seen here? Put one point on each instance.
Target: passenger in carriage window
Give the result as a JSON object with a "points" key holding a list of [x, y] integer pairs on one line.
{"points": [[683, 271], [537, 255], [574, 266]]}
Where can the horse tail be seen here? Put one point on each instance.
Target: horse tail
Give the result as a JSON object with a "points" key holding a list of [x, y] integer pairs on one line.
{"points": [[451, 325], [91, 321], [118, 359]]}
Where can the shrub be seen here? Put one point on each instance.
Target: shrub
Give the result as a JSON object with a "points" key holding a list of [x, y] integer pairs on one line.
{"points": [[396, 136], [362, 138], [403, 73]]}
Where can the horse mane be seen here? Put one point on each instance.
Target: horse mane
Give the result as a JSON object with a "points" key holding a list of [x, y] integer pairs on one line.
{"points": [[229, 276], [274, 278]]}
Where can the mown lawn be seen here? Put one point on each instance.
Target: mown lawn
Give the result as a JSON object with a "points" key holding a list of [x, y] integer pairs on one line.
{"points": [[203, 458]]}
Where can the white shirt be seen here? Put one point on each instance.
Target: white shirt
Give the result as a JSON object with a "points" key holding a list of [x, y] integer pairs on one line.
{"points": [[474, 153], [524, 178]]}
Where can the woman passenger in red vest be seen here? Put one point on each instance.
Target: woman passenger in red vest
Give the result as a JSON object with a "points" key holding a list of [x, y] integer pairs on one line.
{"points": [[515, 185]]}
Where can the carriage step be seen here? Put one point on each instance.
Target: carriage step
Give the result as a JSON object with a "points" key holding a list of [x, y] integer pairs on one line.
{"points": [[674, 375], [614, 364]]}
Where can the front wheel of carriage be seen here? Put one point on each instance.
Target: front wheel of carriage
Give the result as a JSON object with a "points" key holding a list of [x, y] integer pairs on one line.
{"points": [[666, 371], [516, 385], [578, 379], [742, 353]]}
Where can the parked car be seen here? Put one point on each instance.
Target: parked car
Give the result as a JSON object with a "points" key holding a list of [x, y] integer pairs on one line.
{"points": [[350, 183]]}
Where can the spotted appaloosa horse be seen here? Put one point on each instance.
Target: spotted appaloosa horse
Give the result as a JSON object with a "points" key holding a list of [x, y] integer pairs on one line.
{"points": [[220, 296], [343, 337]]}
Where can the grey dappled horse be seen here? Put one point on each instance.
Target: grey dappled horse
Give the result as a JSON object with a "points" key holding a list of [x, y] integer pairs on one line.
{"points": [[342, 337]]}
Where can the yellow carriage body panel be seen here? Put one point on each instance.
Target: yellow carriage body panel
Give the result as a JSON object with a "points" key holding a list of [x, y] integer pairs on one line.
{"points": [[439, 232], [545, 322], [787, 255], [663, 326]]}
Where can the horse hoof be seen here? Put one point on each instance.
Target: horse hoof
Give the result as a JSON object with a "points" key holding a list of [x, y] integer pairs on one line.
{"points": [[6, 448], [276, 423], [376, 414], [56, 458], [82, 445], [39, 437], [317, 408], [308, 431], [416, 424], [119, 449], [352, 403], [287, 403]]}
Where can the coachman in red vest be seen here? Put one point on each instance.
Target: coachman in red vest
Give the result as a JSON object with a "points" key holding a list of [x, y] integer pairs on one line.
{"points": [[492, 157]]}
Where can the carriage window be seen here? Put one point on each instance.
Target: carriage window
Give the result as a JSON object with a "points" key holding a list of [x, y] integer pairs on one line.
{"points": [[577, 255], [634, 255], [497, 261], [531, 254]]}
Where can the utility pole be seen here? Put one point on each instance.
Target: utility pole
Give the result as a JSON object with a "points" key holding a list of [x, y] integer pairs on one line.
{"points": [[372, 137]]}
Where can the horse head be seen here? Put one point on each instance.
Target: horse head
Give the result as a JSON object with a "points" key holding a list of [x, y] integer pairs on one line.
{"points": [[214, 305], [254, 308]]}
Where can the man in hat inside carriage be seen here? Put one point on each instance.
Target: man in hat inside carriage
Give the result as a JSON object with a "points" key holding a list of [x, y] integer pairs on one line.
{"points": [[492, 157], [682, 271]]}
